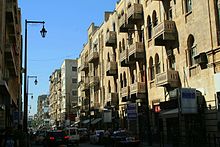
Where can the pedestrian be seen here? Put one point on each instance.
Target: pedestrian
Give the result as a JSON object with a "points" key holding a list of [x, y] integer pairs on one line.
{"points": [[9, 140]]}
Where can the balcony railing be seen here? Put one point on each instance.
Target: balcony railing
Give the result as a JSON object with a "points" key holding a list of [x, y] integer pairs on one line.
{"points": [[164, 32], [124, 58], [94, 80], [112, 68], [10, 59], [137, 87], [123, 25], [84, 65], [136, 51], [170, 78], [93, 56], [11, 15], [85, 84], [135, 13], [125, 91], [111, 39], [113, 98]]}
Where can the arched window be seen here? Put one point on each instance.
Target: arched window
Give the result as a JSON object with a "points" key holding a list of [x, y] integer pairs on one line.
{"points": [[109, 87], [121, 80], [125, 80], [132, 76], [157, 63], [113, 26], [149, 27], [188, 4], [123, 44], [151, 69], [191, 49], [120, 48], [108, 58], [154, 18]]}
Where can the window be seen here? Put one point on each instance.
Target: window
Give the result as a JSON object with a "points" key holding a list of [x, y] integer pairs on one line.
{"points": [[74, 80], [188, 5], [108, 58], [154, 18], [172, 62], [125, 80], [74, 93], [121, 81], [191, 49], [149, 27], [151, 68], [74, 68], [157, 63], [109, 87]]}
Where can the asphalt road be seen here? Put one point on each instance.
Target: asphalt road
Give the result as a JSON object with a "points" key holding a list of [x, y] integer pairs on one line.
{"points": [[80, 145]]}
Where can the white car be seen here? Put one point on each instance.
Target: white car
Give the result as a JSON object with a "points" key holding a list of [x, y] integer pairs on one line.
{"points": [[73, 135], [96, 136]]}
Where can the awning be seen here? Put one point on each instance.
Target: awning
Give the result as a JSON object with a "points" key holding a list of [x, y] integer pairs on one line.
{"points": [[170, 113], [96, 121], [86, 121]]}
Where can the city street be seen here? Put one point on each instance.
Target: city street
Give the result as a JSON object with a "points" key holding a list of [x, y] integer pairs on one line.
{"points": [[80, 145]]}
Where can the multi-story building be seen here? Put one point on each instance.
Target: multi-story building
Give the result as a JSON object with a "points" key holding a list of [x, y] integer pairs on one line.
{"points": [[69, 90], [155, 65], [64, 94], [55, 98], [41, 103], [10, 63]]}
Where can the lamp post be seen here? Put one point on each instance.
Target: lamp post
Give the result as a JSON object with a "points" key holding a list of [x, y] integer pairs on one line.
{"points": [[43, 34]]}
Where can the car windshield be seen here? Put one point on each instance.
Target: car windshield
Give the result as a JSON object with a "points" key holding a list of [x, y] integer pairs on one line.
{"points": [[73, 132]]}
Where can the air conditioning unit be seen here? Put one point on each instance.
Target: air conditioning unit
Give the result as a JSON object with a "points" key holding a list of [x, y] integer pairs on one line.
{"points": [[201, 58]]}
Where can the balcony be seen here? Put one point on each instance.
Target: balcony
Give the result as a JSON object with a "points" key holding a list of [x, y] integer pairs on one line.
{"points": [[84, 65], [135, 13], [94, 80], [85, 84], [136, 51], [111, 39], [123, 25], [93, 56], [137, 87], [10, 55], [113, 98], [12, 20], [124, 58], [112, 68], [125, 92], [169, 78], [165, 33]]}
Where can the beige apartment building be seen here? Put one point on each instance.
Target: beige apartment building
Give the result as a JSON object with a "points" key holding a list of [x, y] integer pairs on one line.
{"points": [[154, 65], [10, 63]]}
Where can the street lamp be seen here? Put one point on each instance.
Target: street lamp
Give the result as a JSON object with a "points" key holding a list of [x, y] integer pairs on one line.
{"points": [[43, 34]]}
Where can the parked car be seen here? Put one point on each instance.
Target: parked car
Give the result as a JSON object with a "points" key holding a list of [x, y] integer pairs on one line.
{"points": [[73, 135], [124, 138], [83, 134], [56, 138], [96, 136]]}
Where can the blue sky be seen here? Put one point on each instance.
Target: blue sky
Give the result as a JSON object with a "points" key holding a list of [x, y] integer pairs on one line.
{"points": [[67, 22]]}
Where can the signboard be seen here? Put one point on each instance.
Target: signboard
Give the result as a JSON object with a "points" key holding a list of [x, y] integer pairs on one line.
{"points": [[107, 116], [188, 100], [132, 111]]}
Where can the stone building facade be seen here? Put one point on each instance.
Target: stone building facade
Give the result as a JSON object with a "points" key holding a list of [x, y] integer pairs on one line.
{"points": [[10, 64], [154, 65]]}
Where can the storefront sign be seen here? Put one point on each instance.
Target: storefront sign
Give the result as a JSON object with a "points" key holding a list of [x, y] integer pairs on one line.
{"points": [[188, 101], [132, 111]]}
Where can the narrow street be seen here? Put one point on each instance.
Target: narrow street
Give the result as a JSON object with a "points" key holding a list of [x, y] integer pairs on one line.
{"points": [[80, 145]]}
